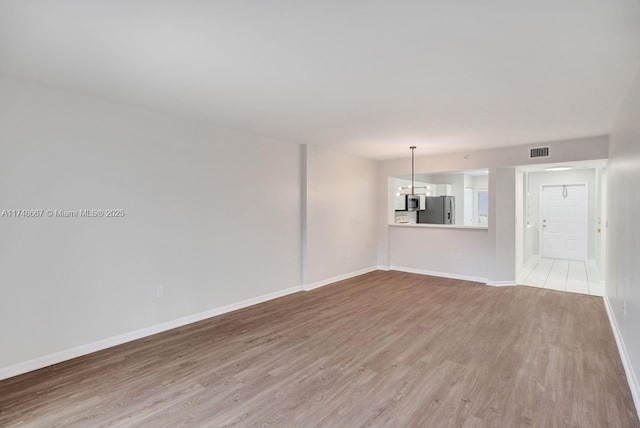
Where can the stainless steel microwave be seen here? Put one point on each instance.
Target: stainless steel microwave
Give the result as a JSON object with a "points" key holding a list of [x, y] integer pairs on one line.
{"points": [[412, 203]]}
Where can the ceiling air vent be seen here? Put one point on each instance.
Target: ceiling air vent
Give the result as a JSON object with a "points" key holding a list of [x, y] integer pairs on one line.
{"points": [[539, 152]]}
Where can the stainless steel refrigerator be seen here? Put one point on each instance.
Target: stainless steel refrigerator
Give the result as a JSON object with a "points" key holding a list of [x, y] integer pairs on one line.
{"points": [[438, 210]]}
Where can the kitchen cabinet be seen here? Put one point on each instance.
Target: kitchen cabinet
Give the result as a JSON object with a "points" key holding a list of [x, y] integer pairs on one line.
{"points": [[443, 190]]}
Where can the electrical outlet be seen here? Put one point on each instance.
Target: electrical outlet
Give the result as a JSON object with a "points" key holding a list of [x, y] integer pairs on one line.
{"points": [[624, 308], [160, 291], [459, 255]]}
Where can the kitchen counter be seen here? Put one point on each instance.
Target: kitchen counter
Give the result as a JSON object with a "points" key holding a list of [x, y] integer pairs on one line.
{"points": [[439, 226]]}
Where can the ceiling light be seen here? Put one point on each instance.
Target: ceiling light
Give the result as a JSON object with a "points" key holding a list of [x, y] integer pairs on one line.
{"points": [[412, 187], [412, 203], [558, 168]]}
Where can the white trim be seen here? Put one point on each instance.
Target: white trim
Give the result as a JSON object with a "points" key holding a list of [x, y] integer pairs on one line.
{"points": [[634, 386], [501, 283], [384, 268], [78, 351], [440, 274], [324, 282]]}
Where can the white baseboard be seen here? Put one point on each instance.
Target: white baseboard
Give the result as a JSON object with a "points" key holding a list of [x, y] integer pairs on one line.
{"points": [[626, 362], [338, 278], [384, 268], [502, 283], [58, 357], [440, 274]]}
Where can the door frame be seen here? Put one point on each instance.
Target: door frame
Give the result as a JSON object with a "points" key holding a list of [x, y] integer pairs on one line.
{"points": [[471, 205], [586, 223]]}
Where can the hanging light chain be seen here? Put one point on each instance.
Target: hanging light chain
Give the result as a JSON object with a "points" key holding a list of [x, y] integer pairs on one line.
{"points": [[413, 149]]}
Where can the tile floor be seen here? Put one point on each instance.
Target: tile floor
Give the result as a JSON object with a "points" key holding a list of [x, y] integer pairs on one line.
{"points": [[563, 275]]}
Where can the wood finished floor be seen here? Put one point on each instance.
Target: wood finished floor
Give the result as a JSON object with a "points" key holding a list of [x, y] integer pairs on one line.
{"points": [[383, 349]]}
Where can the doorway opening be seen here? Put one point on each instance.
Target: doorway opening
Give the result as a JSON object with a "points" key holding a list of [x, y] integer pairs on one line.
{"points": [[560, 243]]}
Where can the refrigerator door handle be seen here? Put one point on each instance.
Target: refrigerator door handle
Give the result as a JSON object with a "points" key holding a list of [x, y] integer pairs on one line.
{"points": [[451, 207]]}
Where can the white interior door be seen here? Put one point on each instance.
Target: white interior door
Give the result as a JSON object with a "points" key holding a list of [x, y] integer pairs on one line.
{"points": [[468, 206], [564, 222]]}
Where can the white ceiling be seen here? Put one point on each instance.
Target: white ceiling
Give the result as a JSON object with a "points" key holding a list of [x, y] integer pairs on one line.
{"points": [[365, 77]]}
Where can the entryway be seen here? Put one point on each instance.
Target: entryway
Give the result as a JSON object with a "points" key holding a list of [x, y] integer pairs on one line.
{"points": [[564, 275], [560, 226]]}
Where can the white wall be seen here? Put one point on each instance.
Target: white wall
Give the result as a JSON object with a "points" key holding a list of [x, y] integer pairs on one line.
{"points": [[341, 214], [413, 249], [499, 253], [480, 182], [502, 226], [212, 215], [623, 234], [537, 179]]}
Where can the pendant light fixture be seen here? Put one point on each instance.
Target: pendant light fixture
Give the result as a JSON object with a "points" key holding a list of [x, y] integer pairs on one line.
{"points": [[413, 161], [412, 200]]}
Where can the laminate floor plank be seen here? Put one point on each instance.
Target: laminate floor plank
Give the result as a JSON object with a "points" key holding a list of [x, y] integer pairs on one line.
{"points": [[383, 349]]}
